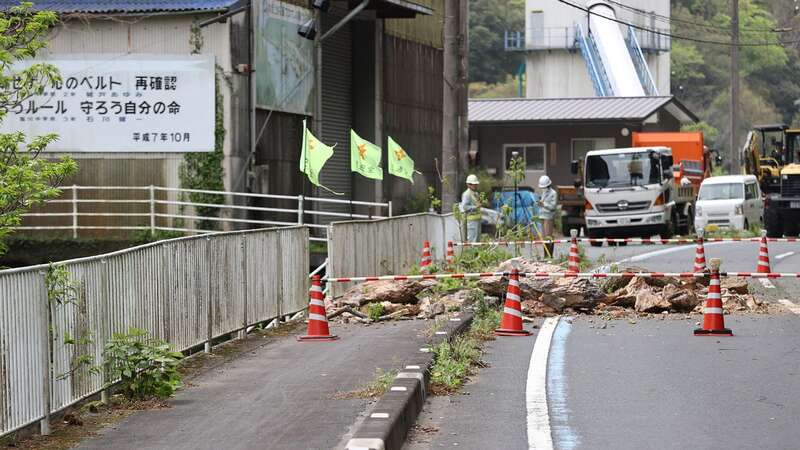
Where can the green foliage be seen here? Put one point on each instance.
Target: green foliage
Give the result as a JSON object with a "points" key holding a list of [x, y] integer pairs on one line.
{"points": [[434, 203], [480, 259], [144, 366], [375, 311], [145, 236], [488, 19], [770, 75], [381, 382], [203, 171], [509, 88], [710, 134], [26, 178], [61, 288], [453, 362]]}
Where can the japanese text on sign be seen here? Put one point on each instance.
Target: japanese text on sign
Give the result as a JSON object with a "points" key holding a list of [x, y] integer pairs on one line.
{"points": [[133, 104]]}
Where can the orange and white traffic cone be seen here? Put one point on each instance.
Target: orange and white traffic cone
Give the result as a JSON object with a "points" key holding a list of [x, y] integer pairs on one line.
{"points": [[426, 255], [511, 323], [699, 254], [763, 255], [713, 320], [451, 254], [317, 318], [574, 259]]}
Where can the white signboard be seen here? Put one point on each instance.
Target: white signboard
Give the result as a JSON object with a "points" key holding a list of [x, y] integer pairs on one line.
{"points": [[134, 103]]}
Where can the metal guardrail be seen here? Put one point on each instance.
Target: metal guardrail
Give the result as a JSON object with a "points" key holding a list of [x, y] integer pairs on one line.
{"points": [[157, 212], [553, 38], [187, 291]]}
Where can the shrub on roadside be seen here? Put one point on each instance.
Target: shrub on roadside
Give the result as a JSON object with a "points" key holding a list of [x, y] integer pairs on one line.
{"points": [[145, 366]]}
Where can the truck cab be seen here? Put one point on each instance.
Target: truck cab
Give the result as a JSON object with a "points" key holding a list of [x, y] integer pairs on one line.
{"points": [[633, 192]]}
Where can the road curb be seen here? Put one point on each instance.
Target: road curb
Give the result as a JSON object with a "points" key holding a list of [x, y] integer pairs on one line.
{"points": [[396, 411]]}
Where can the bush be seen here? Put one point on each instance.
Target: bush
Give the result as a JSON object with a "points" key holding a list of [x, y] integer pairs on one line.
{"points": [[144, 366], [375, 311]]}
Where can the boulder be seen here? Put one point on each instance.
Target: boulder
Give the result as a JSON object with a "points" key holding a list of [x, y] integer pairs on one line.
{"points": [[680, 299], [429, 309], [384, 291], [735, 285], [650, 301], [579, 294]]}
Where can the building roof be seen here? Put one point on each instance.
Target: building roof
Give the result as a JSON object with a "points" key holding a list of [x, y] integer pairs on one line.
{"points": [[591, 109], [124, 6]]}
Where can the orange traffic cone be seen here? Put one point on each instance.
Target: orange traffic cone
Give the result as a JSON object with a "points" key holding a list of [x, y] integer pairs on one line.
{"points": [[451, 255], [426, 255], [699, 254], [511, 323], [763, 255], [317, 319], [713, 320], [574, 259]]}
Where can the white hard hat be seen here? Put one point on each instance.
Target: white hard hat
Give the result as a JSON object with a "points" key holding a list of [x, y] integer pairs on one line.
{"points": [[544, 181], [473, 179]]}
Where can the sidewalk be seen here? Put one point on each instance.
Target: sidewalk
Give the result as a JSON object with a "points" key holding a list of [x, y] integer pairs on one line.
{"points": [[278, 396]]}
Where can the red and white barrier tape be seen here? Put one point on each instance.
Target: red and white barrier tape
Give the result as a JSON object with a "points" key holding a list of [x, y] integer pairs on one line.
{"points": [[624, 240], [522, 275], [759, 275]]}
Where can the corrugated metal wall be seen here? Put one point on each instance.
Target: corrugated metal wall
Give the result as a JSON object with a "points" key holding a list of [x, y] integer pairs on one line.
{"points": [[337, 106], [413, 95], [426, 30]]}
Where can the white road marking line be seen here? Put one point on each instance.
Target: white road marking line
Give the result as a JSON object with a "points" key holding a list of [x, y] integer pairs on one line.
{"points": [[539, 435], [766, 283], [790, 306], [784, 255]]}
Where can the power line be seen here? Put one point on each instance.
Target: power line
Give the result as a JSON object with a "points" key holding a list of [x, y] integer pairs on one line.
{"points": [[669, 20], [675, 36]]}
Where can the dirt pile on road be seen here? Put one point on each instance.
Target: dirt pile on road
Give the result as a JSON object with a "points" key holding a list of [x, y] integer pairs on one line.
{"points": [[615, 296]]}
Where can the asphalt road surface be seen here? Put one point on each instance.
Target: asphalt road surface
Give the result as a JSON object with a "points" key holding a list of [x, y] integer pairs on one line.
{"points": [[645, 384]]}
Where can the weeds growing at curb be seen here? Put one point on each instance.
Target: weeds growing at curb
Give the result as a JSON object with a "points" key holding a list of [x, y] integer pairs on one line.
{"points": [[375, 388]]}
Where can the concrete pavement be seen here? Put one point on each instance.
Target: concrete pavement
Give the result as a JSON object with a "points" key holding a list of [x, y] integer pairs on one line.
{"points": [[278, 396]]}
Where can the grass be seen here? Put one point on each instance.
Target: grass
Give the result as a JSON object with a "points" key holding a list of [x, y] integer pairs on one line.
{"points": [[375, 388], [455, 361]]}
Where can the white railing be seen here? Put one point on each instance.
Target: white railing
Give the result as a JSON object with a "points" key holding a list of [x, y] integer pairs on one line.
{"points": [[187, 291], [155, 208]]}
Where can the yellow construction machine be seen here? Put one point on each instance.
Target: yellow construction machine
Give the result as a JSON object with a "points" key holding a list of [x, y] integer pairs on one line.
{"points": [[772, 153]]}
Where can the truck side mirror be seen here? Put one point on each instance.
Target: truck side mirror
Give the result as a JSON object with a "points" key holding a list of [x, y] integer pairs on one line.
{"points": [[573, 167]]}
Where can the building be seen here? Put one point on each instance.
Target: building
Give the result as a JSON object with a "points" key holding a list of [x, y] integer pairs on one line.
{"points": [[550, 133], [380, 74], [555, 52]]}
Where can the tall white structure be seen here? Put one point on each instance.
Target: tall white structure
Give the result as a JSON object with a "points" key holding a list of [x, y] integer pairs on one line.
{"points": [[570, 53]]}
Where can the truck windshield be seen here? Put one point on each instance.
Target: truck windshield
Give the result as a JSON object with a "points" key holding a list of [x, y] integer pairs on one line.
{"points": [[623, 170], [723, 191]]}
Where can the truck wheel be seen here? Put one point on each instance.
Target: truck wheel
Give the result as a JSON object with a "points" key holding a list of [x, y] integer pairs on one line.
{"points": [[595, 235], [772, 224]]}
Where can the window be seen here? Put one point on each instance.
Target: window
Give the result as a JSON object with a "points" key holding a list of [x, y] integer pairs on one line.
{"points": [[750, 191], [580, 147], [532, 154]]}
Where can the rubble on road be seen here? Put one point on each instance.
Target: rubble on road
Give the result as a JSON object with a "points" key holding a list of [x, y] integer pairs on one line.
{"points": [[613, 297]]}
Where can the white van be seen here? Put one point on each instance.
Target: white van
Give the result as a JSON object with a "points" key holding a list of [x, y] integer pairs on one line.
{"points": [[731, 201]]}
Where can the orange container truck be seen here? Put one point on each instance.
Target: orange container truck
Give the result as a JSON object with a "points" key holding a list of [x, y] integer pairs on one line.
{"points": [[688, 151]]}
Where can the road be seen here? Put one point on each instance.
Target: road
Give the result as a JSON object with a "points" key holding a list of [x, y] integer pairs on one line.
{"points": [[646, 384]]}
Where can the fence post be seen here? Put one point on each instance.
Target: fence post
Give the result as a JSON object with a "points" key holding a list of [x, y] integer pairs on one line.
{"points": [[44, 424], [74, 211], [243, 334], [210, 309], [390, 208], [152, 210], [104, 397], [300, 210]]}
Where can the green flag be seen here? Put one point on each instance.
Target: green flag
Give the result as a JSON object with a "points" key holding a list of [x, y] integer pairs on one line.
{"points": [[400, 164], [313, 156], [365, 157]]}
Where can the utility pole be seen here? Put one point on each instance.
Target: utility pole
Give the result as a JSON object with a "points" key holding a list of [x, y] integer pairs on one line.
{"points": [[734, 143], [455, 127]]}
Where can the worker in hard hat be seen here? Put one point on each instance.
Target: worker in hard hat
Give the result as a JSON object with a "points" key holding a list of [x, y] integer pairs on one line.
{"points": [[548, 202], [471, 208]]}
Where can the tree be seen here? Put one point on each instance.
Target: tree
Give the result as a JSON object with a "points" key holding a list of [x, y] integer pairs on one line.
{"points": [[488, 21], [26, 178]]}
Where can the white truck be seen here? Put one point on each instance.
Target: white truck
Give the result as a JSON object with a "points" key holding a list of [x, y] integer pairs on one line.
{"points": [[635, 192]]}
